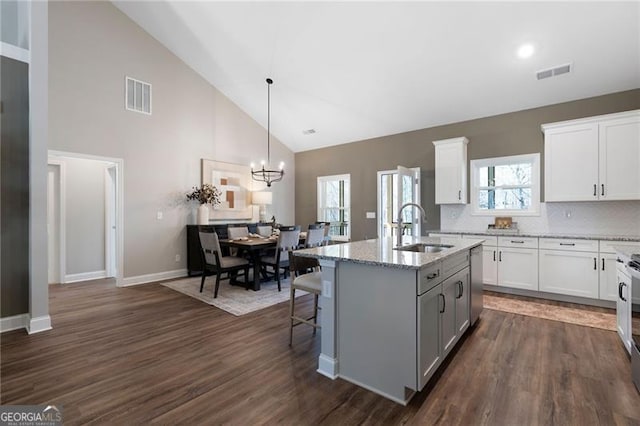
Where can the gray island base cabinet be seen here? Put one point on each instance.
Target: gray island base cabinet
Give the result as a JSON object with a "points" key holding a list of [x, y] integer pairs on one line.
{"points": [[389, 318]]}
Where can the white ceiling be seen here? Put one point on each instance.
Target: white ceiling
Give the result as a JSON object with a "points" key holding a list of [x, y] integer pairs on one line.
{"points": [[358, 70]]}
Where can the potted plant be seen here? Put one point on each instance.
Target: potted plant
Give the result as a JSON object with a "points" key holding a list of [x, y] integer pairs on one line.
{"points": [[205, 195]]}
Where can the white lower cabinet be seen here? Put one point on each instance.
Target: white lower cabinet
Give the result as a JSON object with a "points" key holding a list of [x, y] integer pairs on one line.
{"points": [[608, 288], [572, 273], [518, 268], [489, 265], [623, 308]]}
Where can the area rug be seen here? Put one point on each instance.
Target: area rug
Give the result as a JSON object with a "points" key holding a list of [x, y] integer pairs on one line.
{"points": [[234, 299], [585, 317]]}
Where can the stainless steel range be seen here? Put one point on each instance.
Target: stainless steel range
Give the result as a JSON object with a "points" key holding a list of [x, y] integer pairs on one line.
{"points": [[634, 270]]}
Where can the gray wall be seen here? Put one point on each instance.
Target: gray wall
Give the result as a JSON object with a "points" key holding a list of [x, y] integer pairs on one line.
{"points": [[508, 134], [85, 215], [92, 47], [14, 191]]}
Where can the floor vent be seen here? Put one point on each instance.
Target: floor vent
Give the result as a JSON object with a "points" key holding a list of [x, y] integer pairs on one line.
{"points": [[552, 72]]}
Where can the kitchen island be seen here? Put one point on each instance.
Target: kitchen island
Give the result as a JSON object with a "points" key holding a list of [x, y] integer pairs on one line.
{"points": [[390, 317]]}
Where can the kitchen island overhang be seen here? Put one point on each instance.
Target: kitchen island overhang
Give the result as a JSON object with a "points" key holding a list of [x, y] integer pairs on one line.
{"points": [[390, 317]]}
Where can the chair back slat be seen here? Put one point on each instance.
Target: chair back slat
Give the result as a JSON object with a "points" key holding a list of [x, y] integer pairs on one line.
{"points": [[237, 232], [315, 235], [210, 245], [288, 240], [265, 230]]}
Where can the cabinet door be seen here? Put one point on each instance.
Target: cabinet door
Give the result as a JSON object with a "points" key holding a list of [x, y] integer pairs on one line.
{"points": [[518, 268], [569, 272], [608, 277], [620, 159], [489, 265], [623, 310], [429, 338], [449, 329], [571, 163], [450, 171], [463, 301]]}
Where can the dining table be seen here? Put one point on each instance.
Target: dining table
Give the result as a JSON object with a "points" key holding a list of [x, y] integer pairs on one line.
{"points": [[255, 246]]}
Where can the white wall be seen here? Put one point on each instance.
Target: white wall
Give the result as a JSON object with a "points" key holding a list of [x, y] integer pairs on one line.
{"points": [[605, 217], [85, 216], [92, 47]]}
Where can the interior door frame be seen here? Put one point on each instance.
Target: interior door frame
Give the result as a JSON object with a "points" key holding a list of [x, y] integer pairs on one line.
{"points": [[61, 222], [418, 189], [118, 163], [110, 213]]}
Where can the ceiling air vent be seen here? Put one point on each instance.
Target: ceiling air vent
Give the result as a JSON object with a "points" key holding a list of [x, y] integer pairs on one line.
{"points": [[552, 72], [308, 131]]}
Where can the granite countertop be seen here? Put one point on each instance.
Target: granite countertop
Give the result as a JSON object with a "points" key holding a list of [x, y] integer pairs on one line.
{"points": [[632, 238], [380, 252], [626, 251]]}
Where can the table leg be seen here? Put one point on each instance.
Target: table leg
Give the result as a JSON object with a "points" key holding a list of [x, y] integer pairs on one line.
{"points": [[255, 258]]}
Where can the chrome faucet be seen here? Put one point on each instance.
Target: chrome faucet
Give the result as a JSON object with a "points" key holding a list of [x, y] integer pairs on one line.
{"points": [[423, 214]]}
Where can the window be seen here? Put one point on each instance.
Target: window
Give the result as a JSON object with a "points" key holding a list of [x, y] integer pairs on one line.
{"points": [[137, 96], [334, 205], [388, 185], [506, 185]]}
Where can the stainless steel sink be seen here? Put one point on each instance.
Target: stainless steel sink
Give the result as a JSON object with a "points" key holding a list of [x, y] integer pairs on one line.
{"points": [[424, 248]]}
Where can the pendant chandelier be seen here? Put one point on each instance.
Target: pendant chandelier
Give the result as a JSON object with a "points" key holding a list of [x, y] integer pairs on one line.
{"points": [[266, 174]]}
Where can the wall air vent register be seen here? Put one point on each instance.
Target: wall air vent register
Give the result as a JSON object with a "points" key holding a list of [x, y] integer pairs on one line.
{"points": [[137, 96]]}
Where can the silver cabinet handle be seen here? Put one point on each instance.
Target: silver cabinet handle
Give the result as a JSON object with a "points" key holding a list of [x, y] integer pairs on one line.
{"points": [[459, 195], [603, 189], [460, 289], [433, 275], [603, 263], [595, 264], [620, 291], [444, 303], [500, 256], [494, 255], [517, 241], [595, 190], [568, 244]]}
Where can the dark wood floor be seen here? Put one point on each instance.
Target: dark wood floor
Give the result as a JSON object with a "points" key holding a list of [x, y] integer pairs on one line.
{"points": [[148, 354]]}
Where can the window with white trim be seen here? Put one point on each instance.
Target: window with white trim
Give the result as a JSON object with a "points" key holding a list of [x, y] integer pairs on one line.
{"points": [[334, 205], [506, 185]]}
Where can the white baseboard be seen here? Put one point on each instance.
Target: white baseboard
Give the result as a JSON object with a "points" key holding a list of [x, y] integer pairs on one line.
{"points": [[85, 276], [328, 366], [149, 278], [38, 324], [14, 323]]}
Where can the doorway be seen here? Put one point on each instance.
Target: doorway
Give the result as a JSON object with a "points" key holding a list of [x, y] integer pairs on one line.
{"points": [[395, 188], [84, 217]]}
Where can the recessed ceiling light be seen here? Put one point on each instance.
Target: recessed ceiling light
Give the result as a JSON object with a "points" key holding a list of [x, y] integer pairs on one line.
{"points": [[525, 51]]}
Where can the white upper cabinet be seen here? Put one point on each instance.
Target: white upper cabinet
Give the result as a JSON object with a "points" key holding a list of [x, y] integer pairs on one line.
{"points": [[596, 158], [451, 171], [620, 159]]}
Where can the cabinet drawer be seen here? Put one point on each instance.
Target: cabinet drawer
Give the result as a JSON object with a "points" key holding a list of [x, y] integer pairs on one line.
{"points": [[455, 263], [519, 242], [489, 241], [429, 277], [569, 245], [608, 246]]}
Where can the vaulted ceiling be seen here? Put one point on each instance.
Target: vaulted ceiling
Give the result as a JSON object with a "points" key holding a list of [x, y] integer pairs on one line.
{"points": [[358, 70]]}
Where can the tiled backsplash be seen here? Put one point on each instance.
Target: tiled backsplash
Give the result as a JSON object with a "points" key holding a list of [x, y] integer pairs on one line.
{"points": [[605, 217]]}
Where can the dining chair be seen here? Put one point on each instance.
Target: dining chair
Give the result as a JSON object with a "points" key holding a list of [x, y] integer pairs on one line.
{"points": [[264, 230], [216, 264], [315, 235], [327, 227], [287, 240], [303, 279], [233, 233]]}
